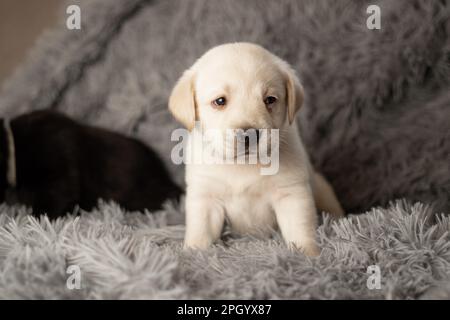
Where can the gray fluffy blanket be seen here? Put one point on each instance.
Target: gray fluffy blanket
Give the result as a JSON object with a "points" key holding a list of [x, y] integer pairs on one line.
{"points": [[376, 123]]}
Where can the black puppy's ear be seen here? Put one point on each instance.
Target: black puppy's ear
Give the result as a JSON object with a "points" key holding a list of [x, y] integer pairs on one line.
{"points": [[3, 159]]}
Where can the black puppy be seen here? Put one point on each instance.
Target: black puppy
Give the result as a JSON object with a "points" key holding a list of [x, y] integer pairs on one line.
{"points": [[52, 163]]}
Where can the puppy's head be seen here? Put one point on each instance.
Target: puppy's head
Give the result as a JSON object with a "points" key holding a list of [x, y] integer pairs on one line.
{"points": [[233, 88], [237, 86]]}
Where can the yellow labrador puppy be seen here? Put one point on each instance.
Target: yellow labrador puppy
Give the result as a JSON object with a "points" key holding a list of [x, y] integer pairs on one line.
{"points": [[243, 86]]}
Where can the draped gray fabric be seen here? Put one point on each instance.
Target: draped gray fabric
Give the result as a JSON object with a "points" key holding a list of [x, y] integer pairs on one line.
{"points": [[375, 121]]}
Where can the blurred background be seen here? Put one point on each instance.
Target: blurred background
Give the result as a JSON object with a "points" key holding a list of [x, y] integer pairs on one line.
{"points": [[21, 22]]}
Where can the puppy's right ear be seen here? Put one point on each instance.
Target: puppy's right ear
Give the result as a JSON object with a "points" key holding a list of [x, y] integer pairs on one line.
{"points": [[182, 100]]}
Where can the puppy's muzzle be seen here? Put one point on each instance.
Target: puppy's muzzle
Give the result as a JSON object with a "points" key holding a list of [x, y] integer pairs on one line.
{"points": [[248, 137]]}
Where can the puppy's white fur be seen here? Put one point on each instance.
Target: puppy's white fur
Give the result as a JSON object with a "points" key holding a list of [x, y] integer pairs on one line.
{"points": [[245, 74]]}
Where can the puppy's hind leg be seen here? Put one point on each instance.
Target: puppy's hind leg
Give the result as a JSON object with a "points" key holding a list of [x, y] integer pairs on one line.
{"points": [[325, 197]]}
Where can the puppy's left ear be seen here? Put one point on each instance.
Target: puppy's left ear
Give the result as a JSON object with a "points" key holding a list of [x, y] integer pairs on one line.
{"points": [[295, 93], [182, 100]]}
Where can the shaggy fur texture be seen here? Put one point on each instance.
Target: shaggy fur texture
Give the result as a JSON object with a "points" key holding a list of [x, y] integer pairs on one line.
{"points": [[135, 256], [377, 110]]}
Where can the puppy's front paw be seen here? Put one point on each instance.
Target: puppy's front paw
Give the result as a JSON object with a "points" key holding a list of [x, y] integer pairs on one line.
{"points": [[310, 249], [196, 245]]}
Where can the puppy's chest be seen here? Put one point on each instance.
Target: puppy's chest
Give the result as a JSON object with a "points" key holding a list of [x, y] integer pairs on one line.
{"points": [[250, 210]]}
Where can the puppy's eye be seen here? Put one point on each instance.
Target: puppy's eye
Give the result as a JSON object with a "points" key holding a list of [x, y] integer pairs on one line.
{"points": [[219, 102], [270, 100]]}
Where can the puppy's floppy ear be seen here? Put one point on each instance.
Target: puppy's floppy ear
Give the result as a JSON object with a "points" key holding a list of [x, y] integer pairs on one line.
{"points": [[182, 100], [295, 93]]}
